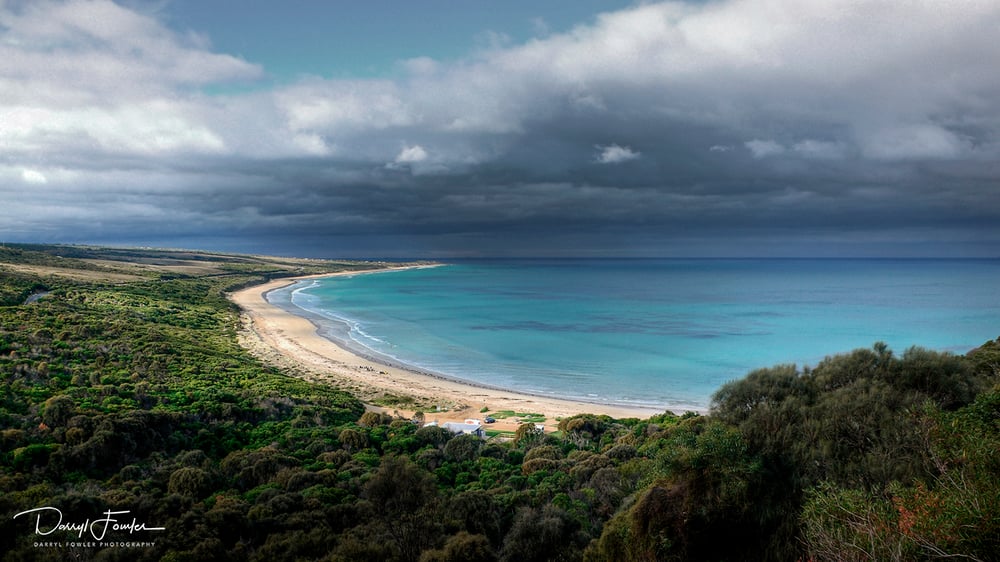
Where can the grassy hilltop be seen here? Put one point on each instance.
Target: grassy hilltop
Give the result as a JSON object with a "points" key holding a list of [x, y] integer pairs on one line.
{"points": [[124, 388]]}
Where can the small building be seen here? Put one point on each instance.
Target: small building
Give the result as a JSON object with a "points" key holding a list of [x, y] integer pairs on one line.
{"points": [[466, 428]]}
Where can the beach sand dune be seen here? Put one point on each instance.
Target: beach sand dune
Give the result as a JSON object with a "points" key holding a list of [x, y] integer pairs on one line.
{"points": [[292, 343]]}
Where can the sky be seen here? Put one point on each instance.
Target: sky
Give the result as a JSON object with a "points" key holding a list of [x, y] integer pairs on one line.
{"points": [[443, 129]]}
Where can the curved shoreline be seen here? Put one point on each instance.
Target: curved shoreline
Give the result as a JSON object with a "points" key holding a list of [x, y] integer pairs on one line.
{"points": [[293, 342], [323, 329]]}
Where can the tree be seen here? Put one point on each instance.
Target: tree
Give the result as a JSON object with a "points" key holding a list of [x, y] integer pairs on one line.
{"points": [[462, 547], [463, 448], [189, 481], [477, 512], [527, 434], [353, 440], [542, 535], [58, 410], [404, 497], [372, 419], [584, 429]]}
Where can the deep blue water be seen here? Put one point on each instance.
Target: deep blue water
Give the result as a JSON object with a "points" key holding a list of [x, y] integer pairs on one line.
{"points": [[666, 333]]}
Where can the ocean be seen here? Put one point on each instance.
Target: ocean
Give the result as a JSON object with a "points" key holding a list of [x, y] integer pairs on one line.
{"points": [[664, 333]]}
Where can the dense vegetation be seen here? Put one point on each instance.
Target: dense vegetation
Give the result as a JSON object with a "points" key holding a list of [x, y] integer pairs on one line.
{"points": [[134, 395]]}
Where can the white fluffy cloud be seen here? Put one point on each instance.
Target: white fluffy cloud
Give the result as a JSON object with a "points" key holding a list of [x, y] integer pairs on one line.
{"points": [[95, 51], [88, 78], [411, 154], [33, 176], [614, 154]]}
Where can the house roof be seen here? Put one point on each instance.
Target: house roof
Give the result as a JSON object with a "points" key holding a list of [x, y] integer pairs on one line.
{"points": [[463, 427]]}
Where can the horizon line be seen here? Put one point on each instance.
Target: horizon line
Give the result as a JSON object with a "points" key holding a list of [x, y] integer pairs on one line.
{"points": [[8, 244]]}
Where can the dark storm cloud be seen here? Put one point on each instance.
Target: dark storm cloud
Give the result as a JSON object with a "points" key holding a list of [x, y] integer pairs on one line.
{"points": [[732, 128]]}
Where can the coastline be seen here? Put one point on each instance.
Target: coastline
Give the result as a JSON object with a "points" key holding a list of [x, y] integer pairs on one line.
{"points": [[293, 343]]}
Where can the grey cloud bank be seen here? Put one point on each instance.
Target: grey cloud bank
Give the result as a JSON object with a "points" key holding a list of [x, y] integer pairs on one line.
{"points": [[730, 128]]}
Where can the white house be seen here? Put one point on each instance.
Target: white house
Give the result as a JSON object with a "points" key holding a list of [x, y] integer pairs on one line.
{"points": [[468, 428]]}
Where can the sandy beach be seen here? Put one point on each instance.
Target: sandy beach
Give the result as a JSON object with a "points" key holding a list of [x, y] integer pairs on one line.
{"points": [[292, 343]]}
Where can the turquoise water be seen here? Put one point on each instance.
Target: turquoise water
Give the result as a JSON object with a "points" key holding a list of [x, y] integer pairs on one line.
{"points": [[664, 333]]}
